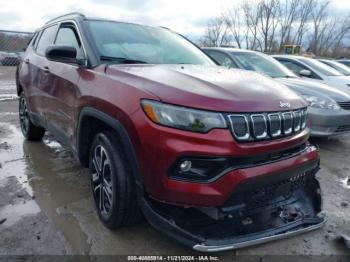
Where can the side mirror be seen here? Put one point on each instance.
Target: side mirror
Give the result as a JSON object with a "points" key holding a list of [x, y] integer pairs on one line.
{"points": [[62, 53], [305, 73]]}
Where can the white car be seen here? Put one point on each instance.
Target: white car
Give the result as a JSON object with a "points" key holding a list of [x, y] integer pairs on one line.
{"points": [[315, 70], [345, 70]]}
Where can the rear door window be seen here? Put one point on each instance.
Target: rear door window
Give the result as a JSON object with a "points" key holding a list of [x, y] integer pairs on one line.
{"points": [[47, 38]]}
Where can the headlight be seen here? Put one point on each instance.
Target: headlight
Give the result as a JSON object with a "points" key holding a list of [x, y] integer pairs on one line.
{"points": [[183, 118], [320, 102]]}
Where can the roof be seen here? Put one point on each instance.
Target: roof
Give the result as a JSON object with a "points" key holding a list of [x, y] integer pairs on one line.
{"points": [[66, 16], [227, 49], [290, 56], [77, 15]]}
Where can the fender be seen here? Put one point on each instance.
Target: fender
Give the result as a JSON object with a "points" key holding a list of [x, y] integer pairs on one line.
{"points": [[124, 138]]}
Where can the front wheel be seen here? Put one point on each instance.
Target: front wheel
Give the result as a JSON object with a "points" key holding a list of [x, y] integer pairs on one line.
{"points": [[29, 130], [113, 185]]}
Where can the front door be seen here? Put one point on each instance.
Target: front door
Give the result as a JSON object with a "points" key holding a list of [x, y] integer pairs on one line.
{"points": [[63, 93]]}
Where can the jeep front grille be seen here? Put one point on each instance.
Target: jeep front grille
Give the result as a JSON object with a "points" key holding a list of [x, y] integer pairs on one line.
{"points": [[262, 126]]}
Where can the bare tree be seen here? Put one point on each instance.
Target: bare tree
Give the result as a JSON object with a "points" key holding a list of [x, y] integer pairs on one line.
{"points": [[267, 25], [233, 20], [267, 21], [251, 16], [342, 34], [216, 33], [320, 24], [303, 16], [288, 15]]}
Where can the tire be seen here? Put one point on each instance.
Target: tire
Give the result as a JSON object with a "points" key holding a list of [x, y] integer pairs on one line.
{"points": [[110, 175], [29, 130]]}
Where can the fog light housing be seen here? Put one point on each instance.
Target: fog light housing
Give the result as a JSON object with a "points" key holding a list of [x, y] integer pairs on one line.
{"points": [[198, 169]]}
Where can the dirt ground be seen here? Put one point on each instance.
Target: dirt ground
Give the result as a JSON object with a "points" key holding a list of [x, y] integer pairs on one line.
{"points": [[46, 205]]}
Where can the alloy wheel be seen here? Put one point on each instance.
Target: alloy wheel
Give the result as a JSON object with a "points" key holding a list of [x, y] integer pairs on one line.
{"points": [[101, 180], [23, 115]]}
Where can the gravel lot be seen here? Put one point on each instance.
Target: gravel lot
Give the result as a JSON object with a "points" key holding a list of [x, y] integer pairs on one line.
{"points": [[46, 208]]}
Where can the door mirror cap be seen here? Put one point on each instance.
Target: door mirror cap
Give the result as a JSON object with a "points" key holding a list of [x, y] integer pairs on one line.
{"points": [[306, 73], [63, 54]]}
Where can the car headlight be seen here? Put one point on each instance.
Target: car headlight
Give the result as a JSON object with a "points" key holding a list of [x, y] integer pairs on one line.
{"points": [[183, 118], [320, 102]]}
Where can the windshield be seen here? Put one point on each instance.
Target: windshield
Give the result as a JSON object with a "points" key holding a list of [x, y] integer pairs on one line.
{"points": [[262, 63], [338, 66], [130, 42], [320, 67]]}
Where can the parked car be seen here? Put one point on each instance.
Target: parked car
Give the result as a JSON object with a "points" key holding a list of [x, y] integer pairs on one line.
{"points": [[311, 69], [341, 68], [344, 62], [329, 108], [215, 159], [9, 59]]}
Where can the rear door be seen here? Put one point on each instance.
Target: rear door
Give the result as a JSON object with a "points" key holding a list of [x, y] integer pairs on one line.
{"points": [[62, 92]]}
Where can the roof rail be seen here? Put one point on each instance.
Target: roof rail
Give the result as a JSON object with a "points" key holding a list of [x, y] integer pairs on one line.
{"points": [[64, 16]]}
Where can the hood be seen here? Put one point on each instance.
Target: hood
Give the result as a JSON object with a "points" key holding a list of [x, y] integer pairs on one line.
{"points": [[208, 87], [301, 86], [341, 82]]}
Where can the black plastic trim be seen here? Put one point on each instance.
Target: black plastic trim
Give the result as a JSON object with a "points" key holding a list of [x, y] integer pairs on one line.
{"points": [[230, 167], [118, 127]]}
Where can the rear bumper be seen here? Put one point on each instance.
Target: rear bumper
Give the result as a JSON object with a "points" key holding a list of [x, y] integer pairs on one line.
{"points": [[290, 204], [324, 123]]}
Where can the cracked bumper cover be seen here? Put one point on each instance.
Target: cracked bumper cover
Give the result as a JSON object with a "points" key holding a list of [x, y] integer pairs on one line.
{"points": [[261, 210]]}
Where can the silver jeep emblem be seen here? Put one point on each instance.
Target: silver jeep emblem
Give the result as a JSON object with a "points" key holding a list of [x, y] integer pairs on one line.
{"points": [[284, 104]]}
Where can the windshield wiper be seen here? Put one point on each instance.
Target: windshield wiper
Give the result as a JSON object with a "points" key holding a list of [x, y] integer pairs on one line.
{"points": [[121, 60]]}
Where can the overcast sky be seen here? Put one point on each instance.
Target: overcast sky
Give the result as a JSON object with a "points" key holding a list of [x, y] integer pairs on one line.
{"points": [[188, 17]]}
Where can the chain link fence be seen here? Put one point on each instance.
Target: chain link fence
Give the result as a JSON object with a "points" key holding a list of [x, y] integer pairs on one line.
{"points": [[12, 45]]}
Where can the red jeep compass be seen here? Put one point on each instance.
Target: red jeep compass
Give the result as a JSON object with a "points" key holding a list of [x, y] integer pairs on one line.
{"points": [[214, 158]]}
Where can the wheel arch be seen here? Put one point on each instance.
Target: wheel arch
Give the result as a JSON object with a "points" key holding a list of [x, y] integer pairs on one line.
{"points": [[84, 139]]}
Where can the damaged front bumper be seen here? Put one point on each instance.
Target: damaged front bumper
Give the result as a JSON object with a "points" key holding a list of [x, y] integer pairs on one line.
{"points": [[261, 210]]}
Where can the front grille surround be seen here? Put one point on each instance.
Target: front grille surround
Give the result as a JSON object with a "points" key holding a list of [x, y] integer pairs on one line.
{"points": [[267, 126]]}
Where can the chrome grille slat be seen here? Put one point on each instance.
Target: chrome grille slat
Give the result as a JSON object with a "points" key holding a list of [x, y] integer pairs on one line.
{"points": [[344, 105], [297, 121], [287, 123], [275, 132], [258, 124], [262, 126], [303, 118]]}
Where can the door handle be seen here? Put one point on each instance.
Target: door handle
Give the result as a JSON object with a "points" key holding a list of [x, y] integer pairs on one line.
{"points": [[26, 61], [46, 69]]}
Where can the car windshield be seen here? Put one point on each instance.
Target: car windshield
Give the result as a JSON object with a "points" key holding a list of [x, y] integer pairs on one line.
{"points": [[338, 66], [131, 43], [262, 63], [320, 67]]}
